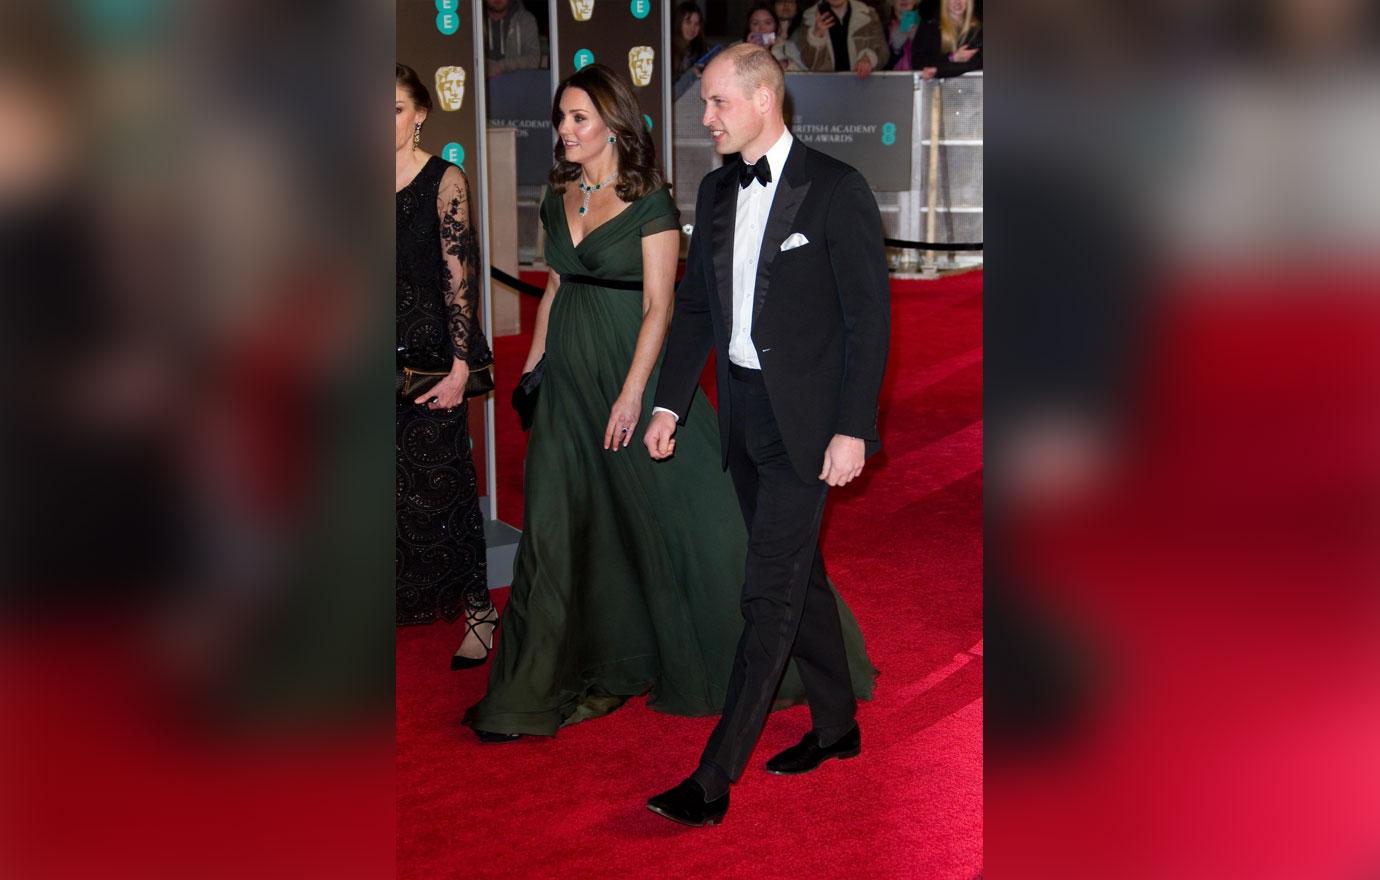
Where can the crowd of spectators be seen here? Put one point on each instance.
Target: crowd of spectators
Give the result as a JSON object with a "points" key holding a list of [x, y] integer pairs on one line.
{"points": [[938, 38]]}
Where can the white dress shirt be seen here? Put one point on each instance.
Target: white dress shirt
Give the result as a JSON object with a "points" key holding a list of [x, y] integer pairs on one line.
{"points": [[754, 207], [750, 224]]}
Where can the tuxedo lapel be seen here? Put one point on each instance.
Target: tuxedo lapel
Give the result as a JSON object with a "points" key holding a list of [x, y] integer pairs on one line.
{"points": [[725, 218], [790, 193]]}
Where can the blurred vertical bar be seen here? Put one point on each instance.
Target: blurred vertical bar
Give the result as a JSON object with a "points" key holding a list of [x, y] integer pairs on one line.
{"points": [[197, 491], [1182, 428]]}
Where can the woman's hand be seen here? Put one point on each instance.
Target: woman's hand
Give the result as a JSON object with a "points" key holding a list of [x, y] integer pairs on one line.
{"points": [[450, 391], [622, 421], [963, 54], [823, 22], [928, 72], [864, 68]]}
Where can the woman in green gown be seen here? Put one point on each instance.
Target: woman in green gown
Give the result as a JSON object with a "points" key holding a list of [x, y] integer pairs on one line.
{"points": [[629, 572]]}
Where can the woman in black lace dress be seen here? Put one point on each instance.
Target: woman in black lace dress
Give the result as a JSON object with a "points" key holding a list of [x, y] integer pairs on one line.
{"points": [[440, 564]]}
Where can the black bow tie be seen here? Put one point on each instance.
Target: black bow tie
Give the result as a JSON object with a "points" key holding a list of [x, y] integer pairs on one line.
{"points": [[759, 171]]}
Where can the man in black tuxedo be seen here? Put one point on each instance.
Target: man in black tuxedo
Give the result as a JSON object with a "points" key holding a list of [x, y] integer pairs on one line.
{"points": [[787, 278]]}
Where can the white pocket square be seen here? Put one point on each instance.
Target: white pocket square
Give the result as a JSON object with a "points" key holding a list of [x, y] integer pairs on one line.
{"points": [[795, 241]]}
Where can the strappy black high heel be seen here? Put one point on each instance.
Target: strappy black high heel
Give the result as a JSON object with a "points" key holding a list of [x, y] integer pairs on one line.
{"points": [[459, 661]]}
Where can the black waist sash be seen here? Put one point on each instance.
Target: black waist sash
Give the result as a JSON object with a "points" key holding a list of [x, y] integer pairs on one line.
{"points": [[602, 282]]}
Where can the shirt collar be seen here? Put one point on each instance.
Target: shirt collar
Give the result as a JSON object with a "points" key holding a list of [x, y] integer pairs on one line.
{"points": [[776, 155]]}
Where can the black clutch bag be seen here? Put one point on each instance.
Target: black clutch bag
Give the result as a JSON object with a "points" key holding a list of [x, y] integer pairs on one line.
{"points": [[412, 384], [525, 394]]}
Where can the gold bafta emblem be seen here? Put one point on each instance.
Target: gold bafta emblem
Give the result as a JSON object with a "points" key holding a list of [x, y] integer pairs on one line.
{"points": [[640, 64], [450, 85], [583, 10]]}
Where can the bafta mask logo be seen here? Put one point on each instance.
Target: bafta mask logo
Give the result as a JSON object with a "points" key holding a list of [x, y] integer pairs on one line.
{"points": [[641, 64], [450, 85], [583, 10]]}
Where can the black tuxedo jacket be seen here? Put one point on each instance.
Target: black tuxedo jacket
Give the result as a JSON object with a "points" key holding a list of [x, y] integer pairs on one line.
{"points": [[821, 314]]}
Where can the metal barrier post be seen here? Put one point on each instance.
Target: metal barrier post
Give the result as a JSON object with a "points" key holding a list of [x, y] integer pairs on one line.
{"points": [[929, 267]]}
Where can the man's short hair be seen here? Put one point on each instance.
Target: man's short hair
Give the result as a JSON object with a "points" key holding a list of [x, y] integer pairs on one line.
{"points": [[756, 67]]}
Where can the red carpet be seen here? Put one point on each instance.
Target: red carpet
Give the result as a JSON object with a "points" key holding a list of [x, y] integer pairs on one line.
{"points": [[903, 544]]}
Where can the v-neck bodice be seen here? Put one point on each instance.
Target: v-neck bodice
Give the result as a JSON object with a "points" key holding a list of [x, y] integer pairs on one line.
{"points": [[613, 249]]}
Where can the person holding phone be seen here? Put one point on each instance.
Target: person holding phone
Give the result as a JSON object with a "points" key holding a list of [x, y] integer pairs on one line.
{"points": [[842, 35], [764, 29], [900, 34]]}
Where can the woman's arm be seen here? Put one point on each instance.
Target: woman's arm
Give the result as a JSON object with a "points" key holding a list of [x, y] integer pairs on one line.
{"points": [[659, 253], [460, 288], [926, 53], [534, 354]]}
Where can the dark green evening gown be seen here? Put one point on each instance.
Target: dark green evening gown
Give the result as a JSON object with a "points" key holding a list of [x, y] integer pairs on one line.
{"points": [[629, 571]]}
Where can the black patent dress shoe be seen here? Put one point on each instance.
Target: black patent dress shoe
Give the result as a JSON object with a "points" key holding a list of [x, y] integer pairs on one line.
{"points": [[686, 804], [809, 754], [488, 736]]}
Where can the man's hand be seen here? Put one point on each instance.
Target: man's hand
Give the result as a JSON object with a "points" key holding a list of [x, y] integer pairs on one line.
{"points": [[660, 437], [864, 68], [843, 460]]}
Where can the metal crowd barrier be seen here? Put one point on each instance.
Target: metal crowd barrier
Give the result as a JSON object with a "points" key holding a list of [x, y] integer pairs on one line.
{"points": [[955, 168], [949, 178]]}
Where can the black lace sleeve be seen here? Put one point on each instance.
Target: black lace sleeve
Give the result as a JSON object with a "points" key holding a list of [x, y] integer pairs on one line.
{"points": [[460, 269]]}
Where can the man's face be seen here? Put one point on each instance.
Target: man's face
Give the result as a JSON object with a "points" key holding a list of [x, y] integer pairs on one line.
{"points": [[497, 7], [729, 114]]}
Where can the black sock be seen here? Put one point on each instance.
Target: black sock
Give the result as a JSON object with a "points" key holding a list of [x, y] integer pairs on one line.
{"points": [[829, 737], [714, 781]]}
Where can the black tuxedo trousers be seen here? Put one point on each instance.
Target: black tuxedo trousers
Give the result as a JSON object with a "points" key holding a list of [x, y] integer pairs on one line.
{"points": [[788, 609]]}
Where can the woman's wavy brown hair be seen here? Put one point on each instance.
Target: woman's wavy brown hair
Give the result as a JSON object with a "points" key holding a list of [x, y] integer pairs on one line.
{"points": [[638, 173], [412, 84]]}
